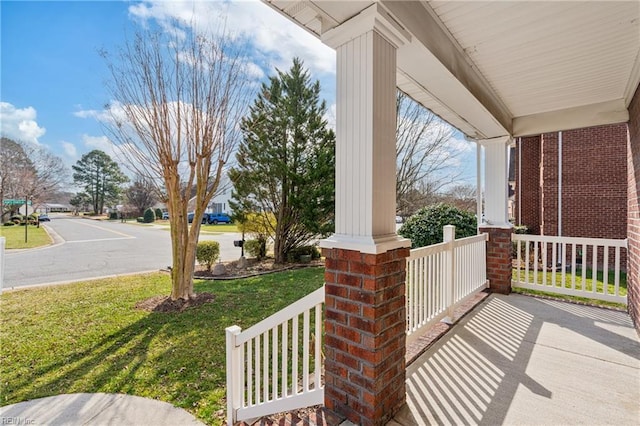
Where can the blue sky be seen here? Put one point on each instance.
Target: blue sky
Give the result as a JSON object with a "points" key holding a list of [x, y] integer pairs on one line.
{"points": [[53, 80]]}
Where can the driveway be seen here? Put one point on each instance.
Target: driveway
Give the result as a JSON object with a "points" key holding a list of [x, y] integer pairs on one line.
{"points": [[86, 249]]}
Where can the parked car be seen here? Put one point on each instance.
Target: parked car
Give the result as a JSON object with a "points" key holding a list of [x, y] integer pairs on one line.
{"points": [[190, 217], [216, 218], [44, 218], [165, 215]]}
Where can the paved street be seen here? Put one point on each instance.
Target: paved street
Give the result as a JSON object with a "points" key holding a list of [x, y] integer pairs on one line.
{"points": [[88, 249]]}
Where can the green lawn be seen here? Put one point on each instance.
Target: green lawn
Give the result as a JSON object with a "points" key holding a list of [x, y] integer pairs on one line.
{"points": [[36, 237], [588, 283], [87, 337], [221, 227]]}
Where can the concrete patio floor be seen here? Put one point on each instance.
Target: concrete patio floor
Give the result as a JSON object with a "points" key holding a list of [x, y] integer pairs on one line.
{"points": [[521, 360]]}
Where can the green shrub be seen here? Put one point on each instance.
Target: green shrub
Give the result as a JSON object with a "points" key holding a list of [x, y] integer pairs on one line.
{"points": [[9, 224], [256, 248], [158, 214], [293, 255], [425, 227], [520, 229], [149, 216], [140, 219], [113, 215], [207, 253]]}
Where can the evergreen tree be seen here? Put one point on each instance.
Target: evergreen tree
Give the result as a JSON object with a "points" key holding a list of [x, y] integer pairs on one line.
{"points": [[286, 161], [100, 177]]}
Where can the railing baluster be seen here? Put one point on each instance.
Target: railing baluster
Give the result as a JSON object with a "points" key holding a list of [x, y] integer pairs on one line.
{"points": [[535, 263], [318, 347], [305, 351], [250, 359], [563, 264], [554, 264], [265, 367], [605, 270], [257, 369], [274, 363], [616, 291], [285, 358], [583, 271], [573, 266], [526, 263], [594, 269], [294, 362]]}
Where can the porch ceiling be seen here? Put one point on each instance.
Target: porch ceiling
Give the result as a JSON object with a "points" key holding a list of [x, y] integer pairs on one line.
{"points": [[496, 68]]}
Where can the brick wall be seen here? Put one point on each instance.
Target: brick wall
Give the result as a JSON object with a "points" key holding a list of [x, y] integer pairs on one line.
{"points": [[594, 183], [594, 176], [549, 184], [365, 334], [633, 217], [528, 208], [499, 255]]}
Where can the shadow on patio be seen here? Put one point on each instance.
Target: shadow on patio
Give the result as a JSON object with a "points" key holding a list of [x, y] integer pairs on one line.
{"points": [[522, 360]]}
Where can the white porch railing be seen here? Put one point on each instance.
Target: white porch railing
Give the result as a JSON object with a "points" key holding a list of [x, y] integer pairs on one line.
{"points": [[585, 267], [442, 276], [275, 365], [264, 372]]}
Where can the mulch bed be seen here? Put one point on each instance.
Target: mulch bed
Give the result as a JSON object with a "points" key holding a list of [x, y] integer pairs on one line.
{"points": [[165, 304], [253, 268]]}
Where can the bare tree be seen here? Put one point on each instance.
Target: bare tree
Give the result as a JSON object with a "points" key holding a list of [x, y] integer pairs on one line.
{"points": [[28, 171], [462, 196], [422, 155], [178, 98], [141, 195]]}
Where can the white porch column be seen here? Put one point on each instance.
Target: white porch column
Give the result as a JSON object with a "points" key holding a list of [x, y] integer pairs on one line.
{"points": [[496, 214], [366, 132], [365, 315], [496, 184]]}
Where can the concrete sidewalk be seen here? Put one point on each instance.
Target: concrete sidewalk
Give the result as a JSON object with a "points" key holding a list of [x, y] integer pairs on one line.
{"points": [[95, 409], [519, 360]]}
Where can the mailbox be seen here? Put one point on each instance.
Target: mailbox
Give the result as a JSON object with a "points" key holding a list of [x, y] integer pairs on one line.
{"points": [[238, 243]]}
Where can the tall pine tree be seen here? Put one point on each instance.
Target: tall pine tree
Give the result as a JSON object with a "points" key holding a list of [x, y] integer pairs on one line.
{"points": [[100, 177], [286, 161]]}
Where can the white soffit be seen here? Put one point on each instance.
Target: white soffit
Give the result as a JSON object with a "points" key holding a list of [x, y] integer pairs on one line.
{"points": [[548, 57], [522, 67]]}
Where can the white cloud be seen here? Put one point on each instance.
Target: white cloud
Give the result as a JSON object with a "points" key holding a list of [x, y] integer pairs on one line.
{"points": [[275, 39], [69, 149], [20, 123], [89, 113], [460, 145], [99, 142]]}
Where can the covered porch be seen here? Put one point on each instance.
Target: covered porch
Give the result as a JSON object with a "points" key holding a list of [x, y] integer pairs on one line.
{"points": [[495, 71], [522, 360]]}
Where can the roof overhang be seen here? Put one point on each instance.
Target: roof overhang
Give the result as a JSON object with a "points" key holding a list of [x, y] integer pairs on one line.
{"points": [[495, 69]]}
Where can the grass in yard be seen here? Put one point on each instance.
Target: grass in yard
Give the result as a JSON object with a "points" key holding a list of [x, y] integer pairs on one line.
{"points": [[588, 283], [218, 229], [87, 337], [36, 237], [221, 227], [566, 297]]}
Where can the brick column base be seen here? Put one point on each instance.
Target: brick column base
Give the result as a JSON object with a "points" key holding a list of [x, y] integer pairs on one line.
{"points": [[365, 339], [499, 254]]}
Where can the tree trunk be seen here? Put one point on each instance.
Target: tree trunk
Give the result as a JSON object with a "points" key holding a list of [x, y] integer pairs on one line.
{"points": [[183, 252]]}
